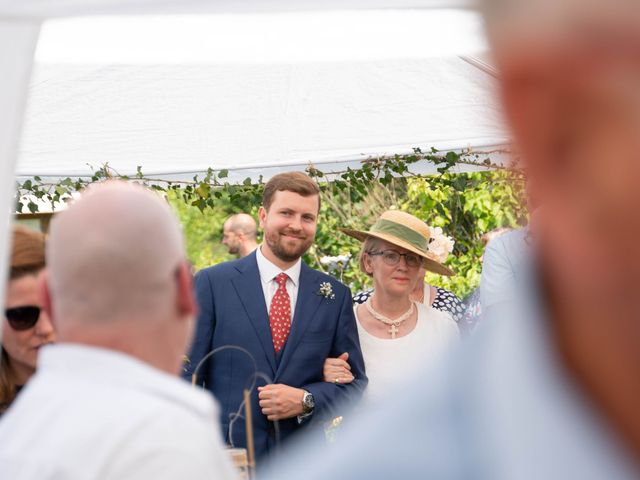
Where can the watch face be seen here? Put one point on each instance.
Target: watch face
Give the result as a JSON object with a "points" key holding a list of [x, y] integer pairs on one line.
{"points": [[307, 401]]}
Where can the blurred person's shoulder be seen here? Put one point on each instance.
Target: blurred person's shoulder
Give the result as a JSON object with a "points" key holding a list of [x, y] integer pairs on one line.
{"points": [[498, 405], [510, 243], [502, 260], [94, 409], [510, 391]]}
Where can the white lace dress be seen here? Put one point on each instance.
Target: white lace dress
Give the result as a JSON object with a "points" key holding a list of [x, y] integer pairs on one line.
{"points": [[391, 362]]}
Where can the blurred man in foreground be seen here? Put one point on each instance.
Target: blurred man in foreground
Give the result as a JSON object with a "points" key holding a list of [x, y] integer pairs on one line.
{"points": [[239, 234], [551, 391], [105, 402]]}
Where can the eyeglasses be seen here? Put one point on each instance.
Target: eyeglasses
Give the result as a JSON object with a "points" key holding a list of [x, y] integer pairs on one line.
{"points": [[22, 318], [391, 257]]}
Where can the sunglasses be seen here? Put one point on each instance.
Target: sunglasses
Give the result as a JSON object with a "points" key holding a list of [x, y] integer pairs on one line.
{"points": [[22, 318]]}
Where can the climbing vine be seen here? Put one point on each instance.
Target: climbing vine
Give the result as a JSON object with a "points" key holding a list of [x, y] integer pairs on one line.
{"points": [[464, 205]]}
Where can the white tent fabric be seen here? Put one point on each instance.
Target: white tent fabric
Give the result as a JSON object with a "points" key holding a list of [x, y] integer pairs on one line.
{"points": [[172, 95], [41, 9]]}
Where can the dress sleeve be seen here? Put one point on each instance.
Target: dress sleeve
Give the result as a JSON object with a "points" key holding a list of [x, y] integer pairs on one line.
{"points": [[450, 303], [362, 297]]}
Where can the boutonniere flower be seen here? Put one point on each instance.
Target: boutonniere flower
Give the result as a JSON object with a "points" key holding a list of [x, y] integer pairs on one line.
{"points": [[326, 291]]}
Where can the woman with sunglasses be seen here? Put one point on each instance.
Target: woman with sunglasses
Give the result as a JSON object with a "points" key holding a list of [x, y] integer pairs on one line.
{"points": [[396, 333], [25, 327]]}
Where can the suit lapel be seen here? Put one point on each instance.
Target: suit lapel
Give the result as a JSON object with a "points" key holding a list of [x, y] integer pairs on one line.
{"points": [[306, 307], [249, 289]]}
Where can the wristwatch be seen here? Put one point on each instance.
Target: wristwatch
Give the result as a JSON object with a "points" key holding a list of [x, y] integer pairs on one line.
{"points": [[307, 402]]}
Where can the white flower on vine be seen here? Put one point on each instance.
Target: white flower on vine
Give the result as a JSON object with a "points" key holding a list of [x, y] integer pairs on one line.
{"points": [[440, 245], [335, 263]]}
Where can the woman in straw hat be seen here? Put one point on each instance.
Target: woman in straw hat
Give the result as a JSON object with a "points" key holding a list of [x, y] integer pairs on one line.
{"points": [[440, 246], [395, 331]]}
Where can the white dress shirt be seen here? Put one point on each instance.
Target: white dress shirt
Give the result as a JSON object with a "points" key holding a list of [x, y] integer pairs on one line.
{"points": [[91, 413], [269, 272]]}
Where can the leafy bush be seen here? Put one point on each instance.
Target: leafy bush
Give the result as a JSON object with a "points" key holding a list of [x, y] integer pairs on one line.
{"points": [[465, 206]]}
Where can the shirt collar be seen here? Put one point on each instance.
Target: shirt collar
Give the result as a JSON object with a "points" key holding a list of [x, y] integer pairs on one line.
{"points": [[96, 364], [269, 271]]}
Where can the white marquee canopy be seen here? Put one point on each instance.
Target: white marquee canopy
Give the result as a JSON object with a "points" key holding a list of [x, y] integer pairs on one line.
{"points": [[254, 86], [254, 93]]}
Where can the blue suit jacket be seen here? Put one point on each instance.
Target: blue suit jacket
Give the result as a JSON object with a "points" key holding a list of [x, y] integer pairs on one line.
{"points": [[233, 311]]}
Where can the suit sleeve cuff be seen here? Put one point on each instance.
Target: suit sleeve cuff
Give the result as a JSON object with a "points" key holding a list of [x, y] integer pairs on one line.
{"points": [[304, 417]]}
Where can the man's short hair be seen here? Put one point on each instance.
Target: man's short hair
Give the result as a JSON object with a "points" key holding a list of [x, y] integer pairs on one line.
{"points": [[296, 182]]}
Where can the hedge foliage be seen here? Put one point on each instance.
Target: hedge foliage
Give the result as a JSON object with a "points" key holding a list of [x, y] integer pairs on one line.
{"points": [[465, 205]]}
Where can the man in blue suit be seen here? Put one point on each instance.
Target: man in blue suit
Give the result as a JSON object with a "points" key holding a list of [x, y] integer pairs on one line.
{"points": [[287, 316]]}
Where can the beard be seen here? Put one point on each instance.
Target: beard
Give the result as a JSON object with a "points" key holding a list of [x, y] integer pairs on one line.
{"points": [[286, 250]]}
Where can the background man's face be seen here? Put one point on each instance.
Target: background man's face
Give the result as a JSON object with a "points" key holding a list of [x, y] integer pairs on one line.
{"points": [[290, 224], [231, 240]]}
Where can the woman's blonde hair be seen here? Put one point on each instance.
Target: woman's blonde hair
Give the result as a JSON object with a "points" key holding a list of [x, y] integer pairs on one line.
{"points": [[370, 244], [27, 258]]}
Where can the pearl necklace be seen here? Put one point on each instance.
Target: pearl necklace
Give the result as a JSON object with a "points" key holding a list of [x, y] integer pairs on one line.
{"points": [[395, 323]]}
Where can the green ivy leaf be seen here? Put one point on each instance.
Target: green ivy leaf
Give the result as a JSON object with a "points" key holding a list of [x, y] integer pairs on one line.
{"points": [[203, 189]]}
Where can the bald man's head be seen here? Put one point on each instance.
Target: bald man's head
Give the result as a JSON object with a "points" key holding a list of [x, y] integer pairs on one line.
{"points": [[113, 255], [239, 234], [243, 223]]}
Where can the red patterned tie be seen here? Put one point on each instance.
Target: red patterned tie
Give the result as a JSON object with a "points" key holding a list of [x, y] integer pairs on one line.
{"points": [[280, 314]]}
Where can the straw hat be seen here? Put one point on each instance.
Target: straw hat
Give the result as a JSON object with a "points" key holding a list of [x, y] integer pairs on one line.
{"points": [[406, 231]]}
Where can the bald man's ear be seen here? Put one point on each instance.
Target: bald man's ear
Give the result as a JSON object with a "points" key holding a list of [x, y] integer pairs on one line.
{"points": [[187, 306], [45, 296]]}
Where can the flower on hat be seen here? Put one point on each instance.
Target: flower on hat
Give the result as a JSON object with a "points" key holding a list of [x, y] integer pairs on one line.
{"points": [[440, 245]]}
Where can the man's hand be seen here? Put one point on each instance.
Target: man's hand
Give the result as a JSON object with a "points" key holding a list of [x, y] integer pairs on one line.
{"points": [[280, 401], [337, 370]]}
